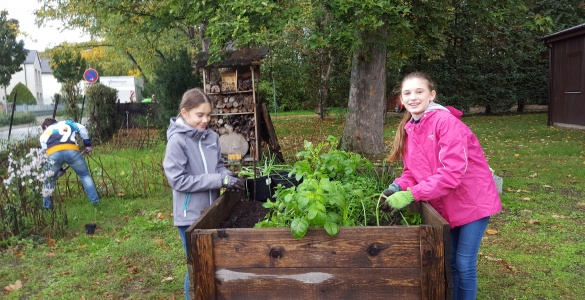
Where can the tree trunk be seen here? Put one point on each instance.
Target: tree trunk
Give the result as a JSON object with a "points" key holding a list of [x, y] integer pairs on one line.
{"points": [[325, 69], [364, 125]]}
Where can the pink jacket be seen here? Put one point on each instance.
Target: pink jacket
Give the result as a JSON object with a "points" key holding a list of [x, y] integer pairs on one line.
{"points": [[444, 164]]}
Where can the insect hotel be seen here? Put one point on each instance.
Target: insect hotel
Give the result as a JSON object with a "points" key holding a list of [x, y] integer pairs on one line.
{"points": [[238, 116]]}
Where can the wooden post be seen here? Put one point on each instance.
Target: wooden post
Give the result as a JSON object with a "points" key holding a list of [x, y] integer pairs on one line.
{"points": [[12, 115]]}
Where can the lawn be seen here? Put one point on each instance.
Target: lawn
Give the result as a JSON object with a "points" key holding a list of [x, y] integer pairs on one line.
{"points": [[533, 249]]}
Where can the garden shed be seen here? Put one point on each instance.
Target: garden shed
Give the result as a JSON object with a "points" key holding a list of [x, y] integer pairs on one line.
{"points": [[566, 78]]}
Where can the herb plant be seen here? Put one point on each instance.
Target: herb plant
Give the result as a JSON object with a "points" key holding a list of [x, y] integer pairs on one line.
{"points": [[336, 190]]}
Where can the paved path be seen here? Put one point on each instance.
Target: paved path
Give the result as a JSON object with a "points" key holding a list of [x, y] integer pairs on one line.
{"points": [[21, 132]]}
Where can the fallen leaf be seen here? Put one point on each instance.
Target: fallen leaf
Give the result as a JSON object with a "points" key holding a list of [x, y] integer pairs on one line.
{"points": [[50, 254], [68, 272], [82, 246], [167, 279], [547, 186], [526, 199], [19, 254], [132, 270], [558, 217], [581, 204], [533, 221], [533, 175], [13, 287], [516, 155], [51, 242], [491, 231]]}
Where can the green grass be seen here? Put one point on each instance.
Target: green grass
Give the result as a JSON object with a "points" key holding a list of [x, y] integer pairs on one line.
{"points": [[534, 248]]}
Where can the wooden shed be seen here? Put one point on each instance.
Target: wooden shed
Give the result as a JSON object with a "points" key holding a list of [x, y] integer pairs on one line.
{"points": [[566, 99]]}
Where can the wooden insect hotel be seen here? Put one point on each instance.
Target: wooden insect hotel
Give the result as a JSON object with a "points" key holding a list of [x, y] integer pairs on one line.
{"points": [[239, 116]]}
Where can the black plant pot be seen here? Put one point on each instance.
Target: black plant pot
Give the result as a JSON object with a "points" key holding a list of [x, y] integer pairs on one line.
{"points": [[281, 177], [90, 228], [259, 189]]}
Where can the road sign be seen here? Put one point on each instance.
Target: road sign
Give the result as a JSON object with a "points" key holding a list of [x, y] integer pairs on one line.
{"points": [[90, 75]]}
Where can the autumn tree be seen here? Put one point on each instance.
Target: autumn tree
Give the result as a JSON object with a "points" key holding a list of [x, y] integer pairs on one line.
{"points": [[12, 52], [68, 67]]}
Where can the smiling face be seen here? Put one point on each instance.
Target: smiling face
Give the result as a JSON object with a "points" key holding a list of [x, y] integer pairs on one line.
{"points": [[416, 95], [197, 117]]}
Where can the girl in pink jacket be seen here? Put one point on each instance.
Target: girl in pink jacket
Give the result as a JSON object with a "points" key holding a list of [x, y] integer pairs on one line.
{"points": [[444, 165]]}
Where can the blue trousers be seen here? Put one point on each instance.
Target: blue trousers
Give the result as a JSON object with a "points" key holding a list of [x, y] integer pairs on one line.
{"points": [[76, 161], [465, 242], [182, 230]]}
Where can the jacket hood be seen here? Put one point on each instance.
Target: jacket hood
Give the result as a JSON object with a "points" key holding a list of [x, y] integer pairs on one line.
{"points": [[435, 106], [178, 125]]}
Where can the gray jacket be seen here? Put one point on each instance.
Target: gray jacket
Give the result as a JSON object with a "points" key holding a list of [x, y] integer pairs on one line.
{"points": [[194, 169]]}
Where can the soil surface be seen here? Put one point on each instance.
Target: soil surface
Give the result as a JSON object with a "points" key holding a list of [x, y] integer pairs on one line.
{"points": [[245, 214]]}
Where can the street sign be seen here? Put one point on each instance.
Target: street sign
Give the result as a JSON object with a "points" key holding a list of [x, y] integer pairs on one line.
{"points": [[90, 75]]}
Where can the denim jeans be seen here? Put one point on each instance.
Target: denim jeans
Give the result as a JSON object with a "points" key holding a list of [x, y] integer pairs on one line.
{"points": [[465, 242], [182, 230], [76, 161]]}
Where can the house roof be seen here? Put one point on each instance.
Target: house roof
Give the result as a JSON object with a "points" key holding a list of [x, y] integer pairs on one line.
{"points": [[565, 34], [30, 57], [242, 57], [45, 67]]}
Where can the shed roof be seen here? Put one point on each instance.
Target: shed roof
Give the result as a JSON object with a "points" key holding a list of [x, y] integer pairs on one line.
{"points": [[565, 34], [242, 57]]}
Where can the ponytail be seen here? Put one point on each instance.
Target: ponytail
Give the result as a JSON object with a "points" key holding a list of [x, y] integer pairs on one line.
{"points": [[399, 144]]}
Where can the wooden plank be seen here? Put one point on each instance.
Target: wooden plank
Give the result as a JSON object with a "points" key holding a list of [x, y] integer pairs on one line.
{"points": [[374, 247], [323, 283], [268, 128], [432, 263], [431, 217], [220, 210], [203, 271]]}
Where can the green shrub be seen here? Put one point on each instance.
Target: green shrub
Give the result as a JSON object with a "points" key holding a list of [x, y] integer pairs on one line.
{"points": [[19, 118], [23, 95], [101, 108]]}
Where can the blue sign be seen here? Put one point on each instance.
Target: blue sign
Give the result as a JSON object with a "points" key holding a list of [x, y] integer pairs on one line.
{"points": [[90, 75]]}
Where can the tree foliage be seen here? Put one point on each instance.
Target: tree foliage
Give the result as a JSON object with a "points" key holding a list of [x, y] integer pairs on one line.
{"points": [[12, 52], [23, 95], [173, 78], [68, 66], [101, 107]]}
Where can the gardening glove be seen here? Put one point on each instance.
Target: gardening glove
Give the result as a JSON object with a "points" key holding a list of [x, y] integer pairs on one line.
{"points": [[393, 188], [399, 200], [87, 149], [233, 183], [60, 173]]}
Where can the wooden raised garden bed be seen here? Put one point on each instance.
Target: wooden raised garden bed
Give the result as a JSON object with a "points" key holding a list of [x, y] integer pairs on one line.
{"points": [[386, 262]]}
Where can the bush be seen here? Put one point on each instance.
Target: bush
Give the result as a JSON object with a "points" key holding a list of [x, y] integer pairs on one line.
{"points": [[101, 107], [172, 78], [19, 118], [23, 95]]}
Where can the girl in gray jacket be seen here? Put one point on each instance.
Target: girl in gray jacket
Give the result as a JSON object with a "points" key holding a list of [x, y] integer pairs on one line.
{"points": [[193, 164]]}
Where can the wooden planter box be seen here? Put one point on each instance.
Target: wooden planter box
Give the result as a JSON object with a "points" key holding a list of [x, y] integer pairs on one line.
{"points": [[396, 262]]}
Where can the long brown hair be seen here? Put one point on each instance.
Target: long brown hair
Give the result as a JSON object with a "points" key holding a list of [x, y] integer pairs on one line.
{"points": [[193, 98], [399, 143]]}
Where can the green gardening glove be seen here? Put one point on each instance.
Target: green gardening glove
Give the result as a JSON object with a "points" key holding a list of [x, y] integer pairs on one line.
{"points": [[399, 200]]}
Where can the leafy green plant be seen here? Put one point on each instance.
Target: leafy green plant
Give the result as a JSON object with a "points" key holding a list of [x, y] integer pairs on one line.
{"points": [[336, 190]]}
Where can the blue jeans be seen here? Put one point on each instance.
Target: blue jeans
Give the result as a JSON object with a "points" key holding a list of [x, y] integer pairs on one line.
{"points": [[182, 230], [76, 161], [465, 242]]}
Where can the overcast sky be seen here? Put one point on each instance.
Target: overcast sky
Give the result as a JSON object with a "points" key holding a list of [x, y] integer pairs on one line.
{"points": [[39, 38]]}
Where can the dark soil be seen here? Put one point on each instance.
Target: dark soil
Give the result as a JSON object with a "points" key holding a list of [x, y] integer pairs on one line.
{"points": [[245, 214]]}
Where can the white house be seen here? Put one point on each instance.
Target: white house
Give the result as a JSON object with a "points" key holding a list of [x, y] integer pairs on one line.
{"points": [[50, 84], [30, 75], [129, 87]]}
